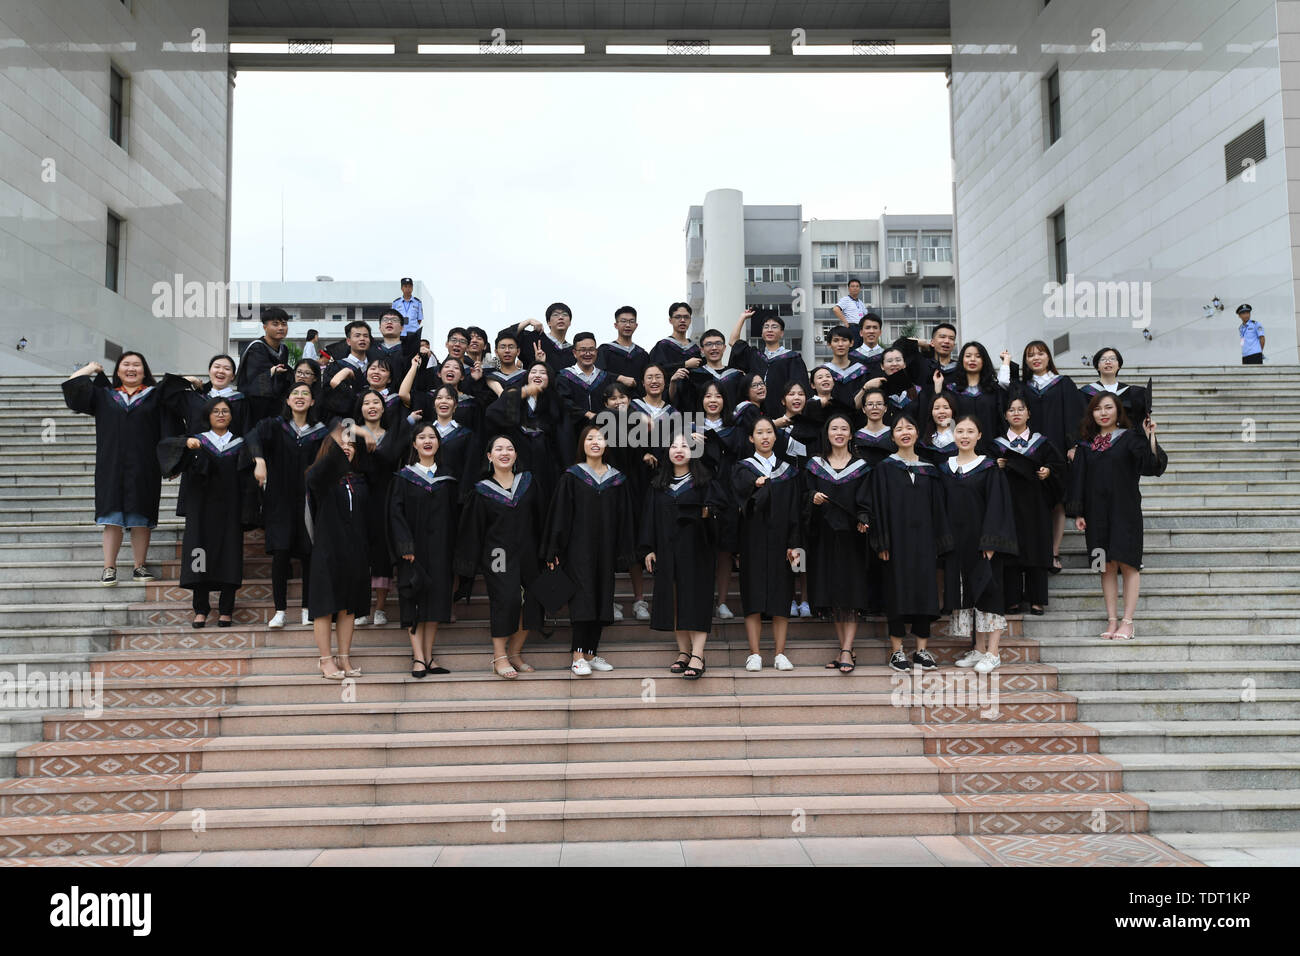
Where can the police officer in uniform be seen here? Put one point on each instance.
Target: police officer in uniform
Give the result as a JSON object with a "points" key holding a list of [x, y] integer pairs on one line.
{"points": [[409, 307], [1252, 337]]}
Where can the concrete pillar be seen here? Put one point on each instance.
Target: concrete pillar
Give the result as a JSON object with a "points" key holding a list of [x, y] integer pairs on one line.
{"points": [[723, 270]]}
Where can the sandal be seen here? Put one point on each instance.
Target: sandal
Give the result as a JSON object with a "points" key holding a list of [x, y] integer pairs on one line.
{"points": [[348, 669], [197, 623], [679, 665], [509, 673], [1107, 635], [330, 675], [694, 673], [1056, 565], [432, 668], [1117, 636], [847, 667], [523, 666], [418, 668]]}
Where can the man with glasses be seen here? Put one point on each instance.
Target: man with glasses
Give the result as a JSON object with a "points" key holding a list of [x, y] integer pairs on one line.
{"points": [[547, 345], [581, 389], [778, 365], [677, 351], [713, 345], [623, 360], [397, 348]]}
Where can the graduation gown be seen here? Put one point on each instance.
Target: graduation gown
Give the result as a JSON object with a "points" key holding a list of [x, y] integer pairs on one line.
{"points": [[769, 525], [871, 360], [799, 441], [837, 551], [615, 360], [1054, 410], [848, 382], [186, 403], [340, 577], [253, 377], [127, 475], [778, 369], [507, 381], [674, 528], [578, 397], [988, 405], [874, 448], [936, 451], [399, 355], [731, 380], [722, 449], [212, 549], [422, 515], [672, 355], [982, 519], [1104, 489], [534, 430], [379, 467], [1033, 498], [909, 519], [590, 530], [1132, 397], [288, 454], [499, 535], [557, 356]]}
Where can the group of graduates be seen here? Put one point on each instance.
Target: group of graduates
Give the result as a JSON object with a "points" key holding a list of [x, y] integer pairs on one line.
{"points": [[909, 480]]}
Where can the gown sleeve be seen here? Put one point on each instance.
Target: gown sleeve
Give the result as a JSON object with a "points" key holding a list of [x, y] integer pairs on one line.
{"points": [[943, 538], [625, 543], [1078, 482], [469, 535], [400, 532], [998, 532], [878, 529], [555, 537], [173, 456], [328, 469], [1149, 462], [79, 392], [862, 500]]}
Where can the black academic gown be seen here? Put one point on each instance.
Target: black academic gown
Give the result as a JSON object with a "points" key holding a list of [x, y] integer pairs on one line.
{"points": [[186, 403], [499, 535], [578, 397], [1104, 489], [379, 467], [732, 381], [127, 476], [679, 528], [837, 552], [988, 405], [212, 549], [590, 529], [253, 377], [1033, 498], [534, 430], [848, 382], [615, 360], [982, 519], [557, 356], [874, 448], [799, 441], [769, 526], [422, 516], [672, 355], [288, 456], [1054, 410], [722, 449], [778, 371], [909, 520], [340, 576], [399, 355]]}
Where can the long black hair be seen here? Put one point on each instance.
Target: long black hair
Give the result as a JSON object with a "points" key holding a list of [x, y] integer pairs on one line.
{"points": [[487, 470], [1025, 374], [699, 472], [726, 415], [148, 378], [988, 375], [414, 456], [826, 433]]}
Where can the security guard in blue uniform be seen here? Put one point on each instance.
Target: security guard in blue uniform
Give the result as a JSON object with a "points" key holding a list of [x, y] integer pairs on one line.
{"points": [[1252, 337], [409, 307]]}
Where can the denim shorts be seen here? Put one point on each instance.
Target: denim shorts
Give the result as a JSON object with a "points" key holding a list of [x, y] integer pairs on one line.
{"points": [[131, 520]]}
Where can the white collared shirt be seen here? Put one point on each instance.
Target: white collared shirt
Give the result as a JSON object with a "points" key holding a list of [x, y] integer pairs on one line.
{"points": [[767, 465], [963, 469], [221, 392], [219, 441], [427, 472]]}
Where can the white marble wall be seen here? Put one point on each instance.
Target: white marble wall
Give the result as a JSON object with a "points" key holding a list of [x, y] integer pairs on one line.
{"points": [[169, 184], [1139, 170]]}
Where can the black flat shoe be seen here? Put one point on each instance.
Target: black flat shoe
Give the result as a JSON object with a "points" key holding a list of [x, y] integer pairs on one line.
{"points": [[418, 668], [432, 668], [221, 623], [1015, 609], [694, 673], [1037, 611], [199, 624]]}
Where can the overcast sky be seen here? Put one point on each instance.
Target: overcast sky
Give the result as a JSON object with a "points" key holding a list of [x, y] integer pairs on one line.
{"points": [[505, 191]]}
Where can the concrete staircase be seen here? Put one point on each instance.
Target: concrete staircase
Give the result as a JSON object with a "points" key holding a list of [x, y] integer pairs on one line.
{"points": [[227, 739]]}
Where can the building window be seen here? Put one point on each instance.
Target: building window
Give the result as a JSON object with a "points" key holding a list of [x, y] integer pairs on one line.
{"points": [[830, 295], [936, 247], [117, 107], [693, 228], [1053, 91], [930, 295], [830, 255], [902, 247], [862, 255], [113, 256], [772, 274], [1058, 245], [865, 296], [898, 295]]}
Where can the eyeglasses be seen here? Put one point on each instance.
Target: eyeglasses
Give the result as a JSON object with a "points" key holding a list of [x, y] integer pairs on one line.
{"points": [[458, 341]]}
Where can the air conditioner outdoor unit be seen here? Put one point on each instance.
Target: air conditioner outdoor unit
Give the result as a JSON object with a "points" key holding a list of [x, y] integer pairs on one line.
{"points": [[909, 267]]}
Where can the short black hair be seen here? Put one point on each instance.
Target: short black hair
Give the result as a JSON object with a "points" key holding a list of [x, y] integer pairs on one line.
{"points": [[358, 324], [474, 330], [870, 317], [773, 317], [583, 336], [1096, 356], [557, 307], [505, 334], [680, 305], [456, 328], [853, 279], [222, 356], [625, 309], [945, 325], [713, 333], [840, 332], [274, 314]]}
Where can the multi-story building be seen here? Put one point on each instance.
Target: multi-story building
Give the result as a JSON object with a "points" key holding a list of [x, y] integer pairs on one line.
{"points": [[324, 305], [767, 256]]}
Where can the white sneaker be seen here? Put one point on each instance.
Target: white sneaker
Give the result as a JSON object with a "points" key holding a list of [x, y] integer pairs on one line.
{"points": [[306, 617], [805, 610], [987, 662], [582, 668], [600, 664], [724, 612], [783, 663], [753, 663], [618, 612], [380, 619], [970, 658], [362, 621], [794, 608], [642, 610], [277, 620]]}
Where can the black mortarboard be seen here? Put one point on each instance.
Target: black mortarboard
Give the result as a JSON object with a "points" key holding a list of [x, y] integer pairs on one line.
{"points": [[1148, 396], [981, 580], [552, 589], [1022, 465], [900, 381], [338, 350]]}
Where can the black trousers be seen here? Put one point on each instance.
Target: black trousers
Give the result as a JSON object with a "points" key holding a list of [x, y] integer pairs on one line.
{"points": [[225, 601], [586, 636], [1025, 584], [1256, 359], [920, 625], [280, 578]]}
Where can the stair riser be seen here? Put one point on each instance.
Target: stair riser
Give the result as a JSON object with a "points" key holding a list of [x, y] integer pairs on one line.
{"points": [[1147, 681], [1222, 821], [1188, 710], [1139, 743], [1152, 601], [1137, 781], [1137, 654], [1083, 625]]}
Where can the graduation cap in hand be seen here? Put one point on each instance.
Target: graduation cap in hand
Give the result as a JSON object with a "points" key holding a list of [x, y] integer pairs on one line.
{"points": [[981, 580], [1149, 402], [900, 381], [1022, 465], [412, 579], [552, 589], [338, 350]]}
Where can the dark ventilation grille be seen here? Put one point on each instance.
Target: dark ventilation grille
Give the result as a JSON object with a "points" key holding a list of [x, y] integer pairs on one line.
{"points": [[112, 351], [1244, 151], [1061, 345]]}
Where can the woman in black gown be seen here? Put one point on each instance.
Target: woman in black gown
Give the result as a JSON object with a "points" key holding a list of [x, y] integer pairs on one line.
{"points": [[390, 445], [984, 536], [589, 535], [1035, 472], [422, 515], [723, 440], [836, 514], [530, 414], [978, 393], [499, 535], [678, 539], [1107, 361], [1106, 502], [874, 441], [218, 466]]}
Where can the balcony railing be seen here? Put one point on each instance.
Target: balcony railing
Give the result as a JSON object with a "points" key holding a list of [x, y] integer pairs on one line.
{"points": [[840, 278]]}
